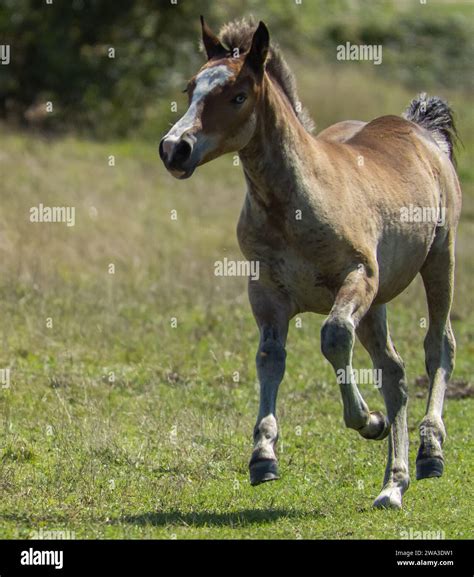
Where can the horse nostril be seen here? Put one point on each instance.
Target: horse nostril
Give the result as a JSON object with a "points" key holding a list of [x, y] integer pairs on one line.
{"points": [[182, 152], [174, 154]]}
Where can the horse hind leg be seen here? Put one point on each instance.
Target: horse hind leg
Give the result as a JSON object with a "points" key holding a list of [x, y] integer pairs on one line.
{"points": [[374, 335], [440, 346]]}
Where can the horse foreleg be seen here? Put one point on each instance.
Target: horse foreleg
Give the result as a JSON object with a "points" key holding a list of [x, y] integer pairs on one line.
{"points": [[352, 301], [272, 313]]}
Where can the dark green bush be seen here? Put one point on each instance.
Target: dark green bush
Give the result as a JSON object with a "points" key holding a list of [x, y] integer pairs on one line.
{"points": [[59, 53]]}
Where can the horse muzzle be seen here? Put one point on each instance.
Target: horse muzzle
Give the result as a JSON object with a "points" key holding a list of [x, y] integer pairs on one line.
{"points": [[177, 155]]}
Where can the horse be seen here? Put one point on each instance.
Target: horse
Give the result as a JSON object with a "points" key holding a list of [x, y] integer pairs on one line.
{"points": [[323, 216]]}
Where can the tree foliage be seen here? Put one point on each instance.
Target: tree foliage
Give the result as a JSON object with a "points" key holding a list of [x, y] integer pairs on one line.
{"points": [[61, 52]]}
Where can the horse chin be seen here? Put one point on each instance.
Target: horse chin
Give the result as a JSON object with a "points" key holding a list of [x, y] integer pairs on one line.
{"points": [[182, 174]]}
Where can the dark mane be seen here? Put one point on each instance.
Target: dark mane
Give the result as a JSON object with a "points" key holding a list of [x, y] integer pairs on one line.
{"points": [[238, 34]]}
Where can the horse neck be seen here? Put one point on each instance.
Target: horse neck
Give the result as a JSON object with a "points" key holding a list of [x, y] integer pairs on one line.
{"points": [[274, 158]]}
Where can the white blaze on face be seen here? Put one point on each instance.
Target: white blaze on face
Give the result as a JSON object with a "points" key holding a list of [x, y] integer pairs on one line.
{"points": [[206, 82]]}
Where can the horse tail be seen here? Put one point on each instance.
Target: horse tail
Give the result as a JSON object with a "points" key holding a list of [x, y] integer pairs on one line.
{"points": [[436, 116]]}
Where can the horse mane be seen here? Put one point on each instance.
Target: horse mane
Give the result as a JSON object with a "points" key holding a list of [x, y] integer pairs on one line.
{"points": [[238, 34]]}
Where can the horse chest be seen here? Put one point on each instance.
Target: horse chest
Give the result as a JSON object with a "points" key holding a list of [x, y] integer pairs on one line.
{"points": [[292, 259], [299, 278]]}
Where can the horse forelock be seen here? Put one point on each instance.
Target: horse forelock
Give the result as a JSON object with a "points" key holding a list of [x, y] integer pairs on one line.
{"points": [[238, 34]]}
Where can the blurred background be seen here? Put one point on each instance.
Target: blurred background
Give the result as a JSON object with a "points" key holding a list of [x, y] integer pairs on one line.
{"points": [[103, 384], [61, 55]]}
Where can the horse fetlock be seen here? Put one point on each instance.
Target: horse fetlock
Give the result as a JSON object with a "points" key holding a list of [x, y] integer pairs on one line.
{"points": [[430, 460], [356, 412], [430, 447], [432, 436], [266, 426], [356, 420], [399, 476], [265, 434], [263, 463]]}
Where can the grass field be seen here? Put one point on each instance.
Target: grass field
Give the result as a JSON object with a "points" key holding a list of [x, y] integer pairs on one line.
{"points": [[116, 424]]}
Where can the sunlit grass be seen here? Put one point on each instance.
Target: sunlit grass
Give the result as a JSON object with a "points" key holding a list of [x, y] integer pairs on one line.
{"points": [[116, 424]]}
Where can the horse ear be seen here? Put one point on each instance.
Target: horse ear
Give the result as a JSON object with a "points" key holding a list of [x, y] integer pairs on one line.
{"points": [[211, 43], [258, 51]]}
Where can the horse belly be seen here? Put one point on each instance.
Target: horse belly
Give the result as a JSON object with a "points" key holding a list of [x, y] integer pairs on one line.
{"points": [[400, 262]]}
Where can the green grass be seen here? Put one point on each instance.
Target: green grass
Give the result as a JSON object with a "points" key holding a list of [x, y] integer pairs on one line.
{"points": [[117, 425]]}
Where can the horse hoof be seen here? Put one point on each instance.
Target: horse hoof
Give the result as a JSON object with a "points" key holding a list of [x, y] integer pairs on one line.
{"points": [[429, 467], [263, 471], [377, 428], [391, 496], [392, 500]]}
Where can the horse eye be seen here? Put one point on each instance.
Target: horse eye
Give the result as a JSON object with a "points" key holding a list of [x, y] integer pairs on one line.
{"points": [[240, 98]]}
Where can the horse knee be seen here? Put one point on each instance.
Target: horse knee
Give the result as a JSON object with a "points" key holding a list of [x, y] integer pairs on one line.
{"points": [[337, 339], [270, 360]]}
